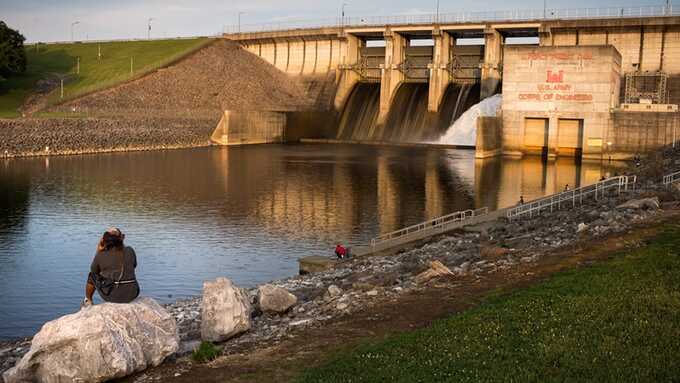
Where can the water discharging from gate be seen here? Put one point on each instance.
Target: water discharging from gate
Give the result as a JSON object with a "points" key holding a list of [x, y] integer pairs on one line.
{"points": [[408, 119], [358, 119], [463, 130]]}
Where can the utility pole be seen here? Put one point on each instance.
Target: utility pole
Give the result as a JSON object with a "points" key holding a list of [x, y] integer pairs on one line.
{"points": [[148, 32], [239, 21], [436, 20], [73, 24], [544, 8]]}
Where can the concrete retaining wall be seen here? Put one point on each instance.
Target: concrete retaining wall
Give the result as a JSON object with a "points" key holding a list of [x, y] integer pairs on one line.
{"points": [[312, 124], [249, 127], [638, 132], [489, 137]]}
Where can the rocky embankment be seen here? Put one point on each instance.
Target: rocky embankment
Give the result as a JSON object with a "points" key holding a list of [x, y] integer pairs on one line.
{"points": [[174, 107], [33, 136], [357, 284]]}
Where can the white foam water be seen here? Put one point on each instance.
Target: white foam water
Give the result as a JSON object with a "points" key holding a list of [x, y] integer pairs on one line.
{"points": [[464, 130]]}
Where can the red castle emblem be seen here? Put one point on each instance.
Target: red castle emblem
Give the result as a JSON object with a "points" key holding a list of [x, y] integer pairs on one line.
{"points": [[555, 77]]}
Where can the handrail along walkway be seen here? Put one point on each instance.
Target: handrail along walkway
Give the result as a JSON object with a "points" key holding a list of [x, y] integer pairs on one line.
{"points": [[569, 198], [427, 228], [671, 178], [461, 17]]}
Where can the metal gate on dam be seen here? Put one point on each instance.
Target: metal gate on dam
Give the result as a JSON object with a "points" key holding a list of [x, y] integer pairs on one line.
{"points": [[573, 82]]}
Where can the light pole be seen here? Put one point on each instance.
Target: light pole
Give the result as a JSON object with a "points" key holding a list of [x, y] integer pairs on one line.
{"points": [[342, 14], [73, 24], [239, 21], [544, 8], [148, 32], [436, 19]]}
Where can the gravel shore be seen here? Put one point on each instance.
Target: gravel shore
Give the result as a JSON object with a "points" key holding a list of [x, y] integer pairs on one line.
{"points": [[57, 136]]}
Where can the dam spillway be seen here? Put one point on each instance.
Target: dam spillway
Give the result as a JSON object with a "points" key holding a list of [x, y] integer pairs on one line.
{"points": [[408, 121], [358, 118]]}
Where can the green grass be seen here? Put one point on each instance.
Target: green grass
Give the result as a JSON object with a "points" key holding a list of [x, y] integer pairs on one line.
{"points": [[616, 321], [205, 352], [113, 68]]}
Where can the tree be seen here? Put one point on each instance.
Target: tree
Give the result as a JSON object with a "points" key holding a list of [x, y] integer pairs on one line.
{"points": [[12, 54]]}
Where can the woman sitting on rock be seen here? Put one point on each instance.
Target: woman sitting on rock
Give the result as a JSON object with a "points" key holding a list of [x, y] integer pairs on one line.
{"points": [[112, 272]]}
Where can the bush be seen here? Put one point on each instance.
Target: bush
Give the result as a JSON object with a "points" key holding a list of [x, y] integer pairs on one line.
{"points": [[205, 352]]}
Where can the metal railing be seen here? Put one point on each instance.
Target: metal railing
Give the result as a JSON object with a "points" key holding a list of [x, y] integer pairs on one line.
{"points": [[431, 227], [569, 198], [671, 178], [460, 17]]}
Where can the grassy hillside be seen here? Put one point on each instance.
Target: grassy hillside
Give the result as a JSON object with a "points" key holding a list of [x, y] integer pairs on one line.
{"points": [[613, 322], [113, 68]]}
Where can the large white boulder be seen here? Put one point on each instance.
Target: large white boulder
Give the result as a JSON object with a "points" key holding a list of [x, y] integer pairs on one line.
{"points": [[643, 203], [436, 270], [275, 299], [225, 311], [99, 343]]}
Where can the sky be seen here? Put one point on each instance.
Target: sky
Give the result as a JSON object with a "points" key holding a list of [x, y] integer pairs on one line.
{"points": [[51, 20]]}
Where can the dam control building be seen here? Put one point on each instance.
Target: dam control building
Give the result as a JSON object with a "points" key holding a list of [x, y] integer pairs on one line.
{"points": [[588, 83]]}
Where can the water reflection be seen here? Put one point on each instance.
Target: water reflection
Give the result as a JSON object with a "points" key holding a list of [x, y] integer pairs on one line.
{"points": [[14, 196], [246, 213], [499, 182]]}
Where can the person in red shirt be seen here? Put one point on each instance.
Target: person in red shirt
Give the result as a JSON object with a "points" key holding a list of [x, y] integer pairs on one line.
{"points": [[340, 251]]}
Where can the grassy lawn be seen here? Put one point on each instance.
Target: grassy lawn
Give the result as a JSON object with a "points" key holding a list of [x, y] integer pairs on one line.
{"points": [[113, 68], [615, 321]]}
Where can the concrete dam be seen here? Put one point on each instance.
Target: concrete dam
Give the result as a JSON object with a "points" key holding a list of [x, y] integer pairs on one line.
{"points": [[587, 87]]}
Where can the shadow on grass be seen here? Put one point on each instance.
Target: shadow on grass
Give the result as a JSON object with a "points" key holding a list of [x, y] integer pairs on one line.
{"points": [[15, 90]]}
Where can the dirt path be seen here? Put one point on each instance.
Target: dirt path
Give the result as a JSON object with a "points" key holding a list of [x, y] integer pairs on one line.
{"points": [[311, 346]]}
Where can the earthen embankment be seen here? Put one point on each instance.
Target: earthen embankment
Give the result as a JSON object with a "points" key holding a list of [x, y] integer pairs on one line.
{"points": [[174, 107], [220, 76]]}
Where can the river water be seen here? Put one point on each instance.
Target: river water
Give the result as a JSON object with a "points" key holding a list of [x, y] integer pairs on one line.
{"points": [[246, 213]]}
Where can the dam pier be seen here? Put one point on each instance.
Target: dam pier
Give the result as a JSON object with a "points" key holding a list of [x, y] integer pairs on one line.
{"points": [[592, 85]]}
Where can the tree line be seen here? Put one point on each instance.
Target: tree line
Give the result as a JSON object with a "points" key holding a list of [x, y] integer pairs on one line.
{"points": [[12, 54]]}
